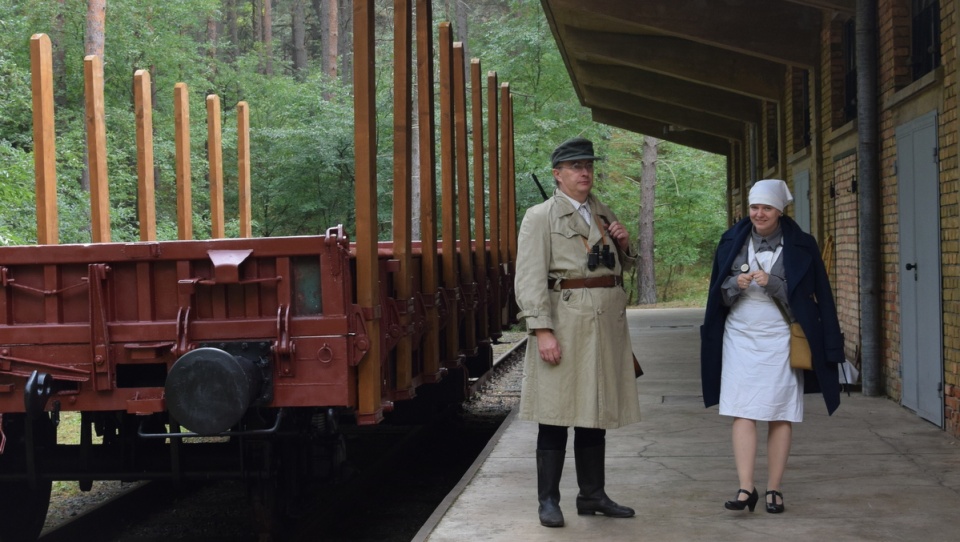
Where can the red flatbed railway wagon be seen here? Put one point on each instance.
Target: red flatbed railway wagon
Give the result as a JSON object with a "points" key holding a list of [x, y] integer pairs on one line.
{"points": [[250, 338], [106, 322], [265, 345]]}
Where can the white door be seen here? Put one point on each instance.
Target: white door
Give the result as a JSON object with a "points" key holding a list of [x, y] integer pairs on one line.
{"points": [[921, 330]]}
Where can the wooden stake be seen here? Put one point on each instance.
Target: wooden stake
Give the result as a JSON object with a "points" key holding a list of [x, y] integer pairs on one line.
{"points": [[44, 139]]}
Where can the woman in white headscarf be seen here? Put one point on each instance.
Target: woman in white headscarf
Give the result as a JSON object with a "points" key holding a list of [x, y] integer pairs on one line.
{"points": [[745, 338]]}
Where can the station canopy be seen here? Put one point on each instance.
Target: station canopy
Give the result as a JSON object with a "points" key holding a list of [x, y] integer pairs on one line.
{"points": [[694, 72]]}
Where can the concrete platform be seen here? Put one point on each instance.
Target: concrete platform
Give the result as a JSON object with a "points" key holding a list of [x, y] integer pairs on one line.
{"points": [[873, 471]]}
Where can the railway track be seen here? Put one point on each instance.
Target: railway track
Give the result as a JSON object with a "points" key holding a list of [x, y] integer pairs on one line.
{"points": [[396, 477]]}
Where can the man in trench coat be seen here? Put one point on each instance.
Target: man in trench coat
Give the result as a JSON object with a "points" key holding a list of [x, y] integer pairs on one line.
{"points": [[578, 367]]}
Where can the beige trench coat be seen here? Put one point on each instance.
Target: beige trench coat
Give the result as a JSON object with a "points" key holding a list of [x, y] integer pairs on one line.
{"points": [[593, 385]]}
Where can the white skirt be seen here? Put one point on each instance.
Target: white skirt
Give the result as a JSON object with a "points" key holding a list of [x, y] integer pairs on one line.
{"points": [[757, 381]]}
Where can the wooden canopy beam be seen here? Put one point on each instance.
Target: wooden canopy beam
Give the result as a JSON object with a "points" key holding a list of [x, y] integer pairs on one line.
{"points": [[789, 34], [844, 7], [683, 59], [669, 114], [669, 90], [688, 138]]}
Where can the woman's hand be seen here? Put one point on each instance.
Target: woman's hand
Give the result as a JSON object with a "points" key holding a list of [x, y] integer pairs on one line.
{"points": [[743, 281], [761, 278], [548, 346]]}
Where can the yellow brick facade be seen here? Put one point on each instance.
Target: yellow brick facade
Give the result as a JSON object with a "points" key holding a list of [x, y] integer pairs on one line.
{"points": [[831, 160]]}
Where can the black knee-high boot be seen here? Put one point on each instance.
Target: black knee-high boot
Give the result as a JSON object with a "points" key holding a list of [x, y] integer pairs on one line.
{"points": [[549, 469], [590, 476]]}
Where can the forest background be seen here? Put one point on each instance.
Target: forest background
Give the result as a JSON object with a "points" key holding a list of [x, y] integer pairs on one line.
{"points": [[291, 61]]}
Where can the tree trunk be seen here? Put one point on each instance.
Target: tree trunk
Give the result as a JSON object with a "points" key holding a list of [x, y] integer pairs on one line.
{"points": [[233, 31], [297, 15], [267, 37], [462, 27], [317, 30], [345, 41], [93, 44], [212, 39], [93, 37], [329, 37], [257, 22], [59, 55], [415, 172], [646, 281]]}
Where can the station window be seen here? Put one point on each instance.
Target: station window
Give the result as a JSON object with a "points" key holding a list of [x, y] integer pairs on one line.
{"points": [[925, 42], [801, 109], [771, 133], [848, 45]]}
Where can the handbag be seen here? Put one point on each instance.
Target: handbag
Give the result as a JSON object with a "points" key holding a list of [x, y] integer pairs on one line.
{"points": [[637, 371], [800, 355]]}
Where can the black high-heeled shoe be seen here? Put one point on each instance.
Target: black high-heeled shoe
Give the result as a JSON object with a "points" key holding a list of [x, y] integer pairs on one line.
{"points": [[750, 502], [773, 507]]}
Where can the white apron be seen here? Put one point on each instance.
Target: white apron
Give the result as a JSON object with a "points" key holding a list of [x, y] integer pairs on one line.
{"points": [[757, 381]]}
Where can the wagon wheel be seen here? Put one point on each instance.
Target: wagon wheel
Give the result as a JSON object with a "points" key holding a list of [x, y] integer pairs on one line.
{"points": [[267, 500], [273, 484], [275, 492], [284, 490], [23, 505]]}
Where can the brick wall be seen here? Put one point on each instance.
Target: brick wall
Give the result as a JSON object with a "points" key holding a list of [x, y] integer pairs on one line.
{"points": [[950, 217], [832, 68], [846, 237], [840, 200], [796, 126], [836, 163], [830, 85], [895, 74], [892, 72]]}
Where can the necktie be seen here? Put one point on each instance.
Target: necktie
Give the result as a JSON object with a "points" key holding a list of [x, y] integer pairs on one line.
{"points": [[585, 212]]}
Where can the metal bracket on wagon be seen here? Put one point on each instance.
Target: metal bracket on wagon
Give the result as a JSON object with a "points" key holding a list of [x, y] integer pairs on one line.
{"points": [[336, 236], [360, 339], [36, 393], [8, 365], [284, 348]]}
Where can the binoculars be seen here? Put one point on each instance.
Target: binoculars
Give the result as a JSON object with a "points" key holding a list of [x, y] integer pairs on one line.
{"points": [[595, 256]]}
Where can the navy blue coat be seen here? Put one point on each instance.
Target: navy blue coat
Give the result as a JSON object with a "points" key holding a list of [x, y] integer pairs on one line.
{"points": [[809, 296]]}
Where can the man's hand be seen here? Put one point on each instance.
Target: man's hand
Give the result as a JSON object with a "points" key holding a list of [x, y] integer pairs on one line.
{"points": [[548, 345], [620, 235]]}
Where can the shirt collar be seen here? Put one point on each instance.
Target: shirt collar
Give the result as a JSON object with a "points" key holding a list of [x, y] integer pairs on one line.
{"points": [[576, 204], [769, 242]]}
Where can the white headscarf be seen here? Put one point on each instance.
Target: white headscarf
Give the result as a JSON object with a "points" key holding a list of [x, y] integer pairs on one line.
{"points": [[772, 192]]}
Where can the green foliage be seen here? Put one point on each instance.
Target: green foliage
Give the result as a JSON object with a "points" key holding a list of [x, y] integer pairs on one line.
{"points": [[304, 157], [690, 212], [690, 204], [16, 117], [16, 195], [517, 43], [302, 161]]}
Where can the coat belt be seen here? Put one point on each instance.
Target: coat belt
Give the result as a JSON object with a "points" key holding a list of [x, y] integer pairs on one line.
{"points": [[606, 281]]}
